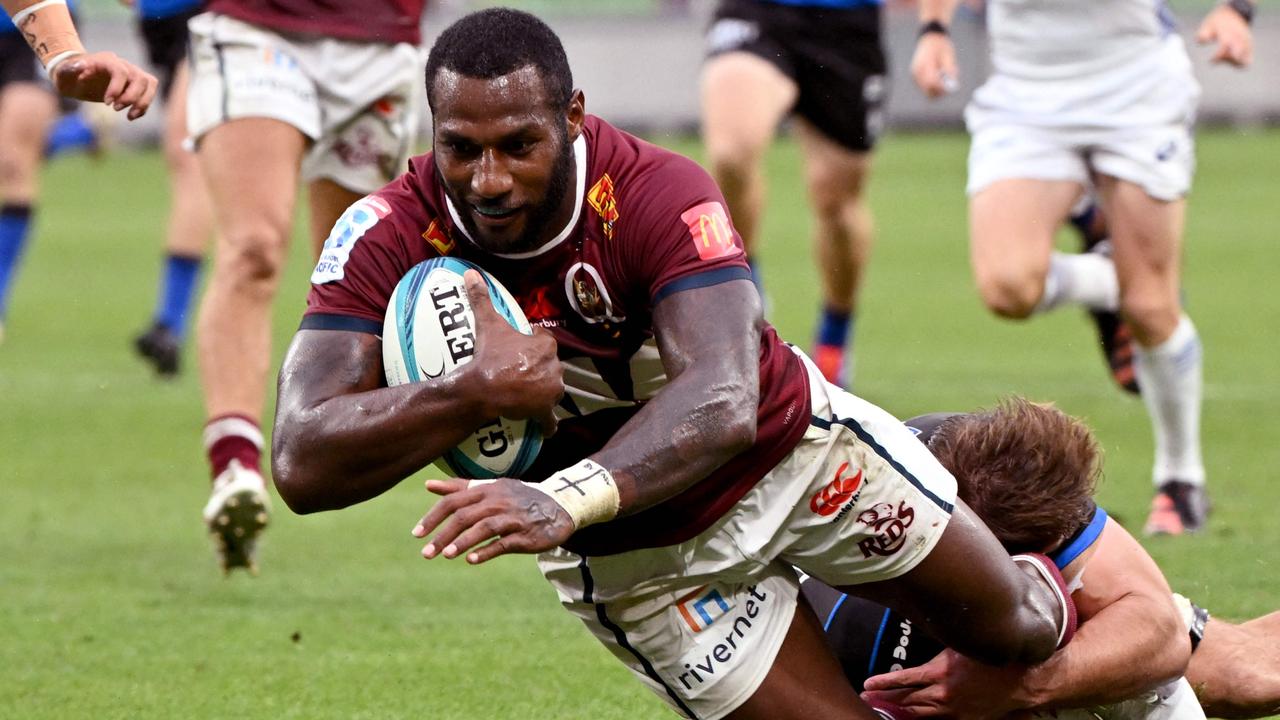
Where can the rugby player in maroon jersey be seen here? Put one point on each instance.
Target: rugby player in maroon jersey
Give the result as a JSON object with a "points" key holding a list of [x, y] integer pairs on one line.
{"points": [[281, 91], [693, 458]]}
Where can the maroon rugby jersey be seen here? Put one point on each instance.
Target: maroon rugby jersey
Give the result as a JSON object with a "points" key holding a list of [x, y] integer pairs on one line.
{"points": [[384, 21], [647, 223]]}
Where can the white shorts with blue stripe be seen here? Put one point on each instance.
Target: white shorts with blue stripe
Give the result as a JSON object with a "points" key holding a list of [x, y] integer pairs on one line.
{"points": [[859, 500]]}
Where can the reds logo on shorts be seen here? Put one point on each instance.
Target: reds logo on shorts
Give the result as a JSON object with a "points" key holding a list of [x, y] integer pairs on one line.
{"points": [[890, 528], [839, 492]]}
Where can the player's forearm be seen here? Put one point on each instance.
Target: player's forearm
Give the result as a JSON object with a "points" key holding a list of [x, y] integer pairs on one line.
{"points": [[340, 441], [47, 28], [1128, 648], [709, 339], [696, 424]]}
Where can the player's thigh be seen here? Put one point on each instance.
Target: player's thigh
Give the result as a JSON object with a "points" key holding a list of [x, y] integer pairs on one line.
{"points": [[744, 97], [1012, 223], [1146, 239], [805, 681], [328, 200], [834, 173], [251, 171], [26, 111]]}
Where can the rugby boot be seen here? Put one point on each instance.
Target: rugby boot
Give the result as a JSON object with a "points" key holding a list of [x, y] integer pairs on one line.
{"points": [[236, 514], [1178, 507], [1113, 332], [160, 347]]}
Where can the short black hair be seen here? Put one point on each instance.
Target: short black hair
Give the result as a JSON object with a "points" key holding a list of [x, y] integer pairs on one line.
{"points": [[491, 43]]}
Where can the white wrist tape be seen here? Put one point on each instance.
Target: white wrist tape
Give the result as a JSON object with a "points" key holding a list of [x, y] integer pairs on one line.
{"points": [[586, 491], [21, 16], [56, 60]]}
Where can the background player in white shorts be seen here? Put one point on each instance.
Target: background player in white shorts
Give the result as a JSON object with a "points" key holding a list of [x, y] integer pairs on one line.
{"points": [[1098, 94], [689, 454], [276, 87]]}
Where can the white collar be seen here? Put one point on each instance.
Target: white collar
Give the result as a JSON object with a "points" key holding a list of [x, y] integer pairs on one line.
{"points": [[580, 159]]}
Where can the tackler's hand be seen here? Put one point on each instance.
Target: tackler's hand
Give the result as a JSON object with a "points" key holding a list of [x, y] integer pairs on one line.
{"points": [[516, 517], [522, 373], [952, 685]]}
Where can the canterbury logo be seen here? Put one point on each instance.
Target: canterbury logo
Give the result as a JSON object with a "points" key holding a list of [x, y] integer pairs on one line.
{"points": [[839, 491]]}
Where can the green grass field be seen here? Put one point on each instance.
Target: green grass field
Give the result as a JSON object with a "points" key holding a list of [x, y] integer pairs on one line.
{"points": [[110, 603]]}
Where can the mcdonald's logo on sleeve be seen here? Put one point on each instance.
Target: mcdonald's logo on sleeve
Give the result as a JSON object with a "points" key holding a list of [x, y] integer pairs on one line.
{"points": [[709, 226]]}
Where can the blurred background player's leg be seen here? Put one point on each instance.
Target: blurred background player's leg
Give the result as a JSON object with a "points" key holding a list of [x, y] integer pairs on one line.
{"points": [[190, 225], [1011, 228], [27, 110], [744, 97], [843, 235], [251, 168], [190, 222], [1146, 234], [328, 200]]}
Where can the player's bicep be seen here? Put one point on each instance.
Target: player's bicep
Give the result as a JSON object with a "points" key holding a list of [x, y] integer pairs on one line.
{"points": [[323, 364], [717, 326], [1120, 568]]}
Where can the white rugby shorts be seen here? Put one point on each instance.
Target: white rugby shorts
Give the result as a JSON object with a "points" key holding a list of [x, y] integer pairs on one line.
{"points": [[1175, 700], [859, 500], [1132, 122], [356, 101]]}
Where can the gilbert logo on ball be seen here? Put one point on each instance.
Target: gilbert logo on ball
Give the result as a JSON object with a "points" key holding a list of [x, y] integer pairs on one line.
{"points": [[430, 331]]}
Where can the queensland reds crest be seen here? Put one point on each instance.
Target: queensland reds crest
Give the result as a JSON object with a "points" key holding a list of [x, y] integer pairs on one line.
{"points": [[588, 295], [889, 525]]}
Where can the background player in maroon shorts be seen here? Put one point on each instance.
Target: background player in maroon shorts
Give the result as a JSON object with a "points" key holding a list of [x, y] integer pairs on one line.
{"points": [[693, 431], [281, 89]]}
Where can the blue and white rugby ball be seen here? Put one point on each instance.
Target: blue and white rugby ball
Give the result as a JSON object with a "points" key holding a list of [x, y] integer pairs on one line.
{"points": [[429, 331]]}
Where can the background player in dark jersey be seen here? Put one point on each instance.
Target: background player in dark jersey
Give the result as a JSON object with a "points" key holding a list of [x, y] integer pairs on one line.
{"points": [[281, 91], [820, 62], [163, 26], [697, 457], [76, 73], [1029, 471]]}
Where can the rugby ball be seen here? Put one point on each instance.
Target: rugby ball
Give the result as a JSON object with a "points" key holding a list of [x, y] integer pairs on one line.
{"points": [[428, 332]]}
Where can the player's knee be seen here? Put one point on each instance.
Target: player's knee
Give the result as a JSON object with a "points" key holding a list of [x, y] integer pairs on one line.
{"points": [[253, 259], [1011, 295], [733, 162], [1150, 314]]}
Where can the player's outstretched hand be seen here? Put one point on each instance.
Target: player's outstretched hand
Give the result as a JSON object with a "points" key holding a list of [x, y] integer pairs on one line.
{"points": [[952, 685], [934, 65], [106, 78], [1227, 28], [522, 374], [517, 517]]}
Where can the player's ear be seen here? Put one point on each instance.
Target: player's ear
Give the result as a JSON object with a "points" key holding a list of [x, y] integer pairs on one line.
{"points": [[576, 115]]}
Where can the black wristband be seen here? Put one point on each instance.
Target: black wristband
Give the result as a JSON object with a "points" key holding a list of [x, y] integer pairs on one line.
{"points": [[1244, 8], [936, 26]]}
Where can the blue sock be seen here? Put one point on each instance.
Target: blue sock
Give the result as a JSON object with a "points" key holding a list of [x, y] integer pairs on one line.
{"points": [[15, 225], [834, 327], [177, 286], [70, 132]]}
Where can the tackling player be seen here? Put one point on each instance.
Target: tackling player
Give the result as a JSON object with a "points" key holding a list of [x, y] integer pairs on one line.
{"points": [[821, 62], [163, 26], [695, 457], [281, 91], [76, 73], [1030, 471], [1105, 99]]}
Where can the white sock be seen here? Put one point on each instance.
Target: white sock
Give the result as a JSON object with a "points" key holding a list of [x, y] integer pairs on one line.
{"points": [[1087, 279], [1170, 376]]}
